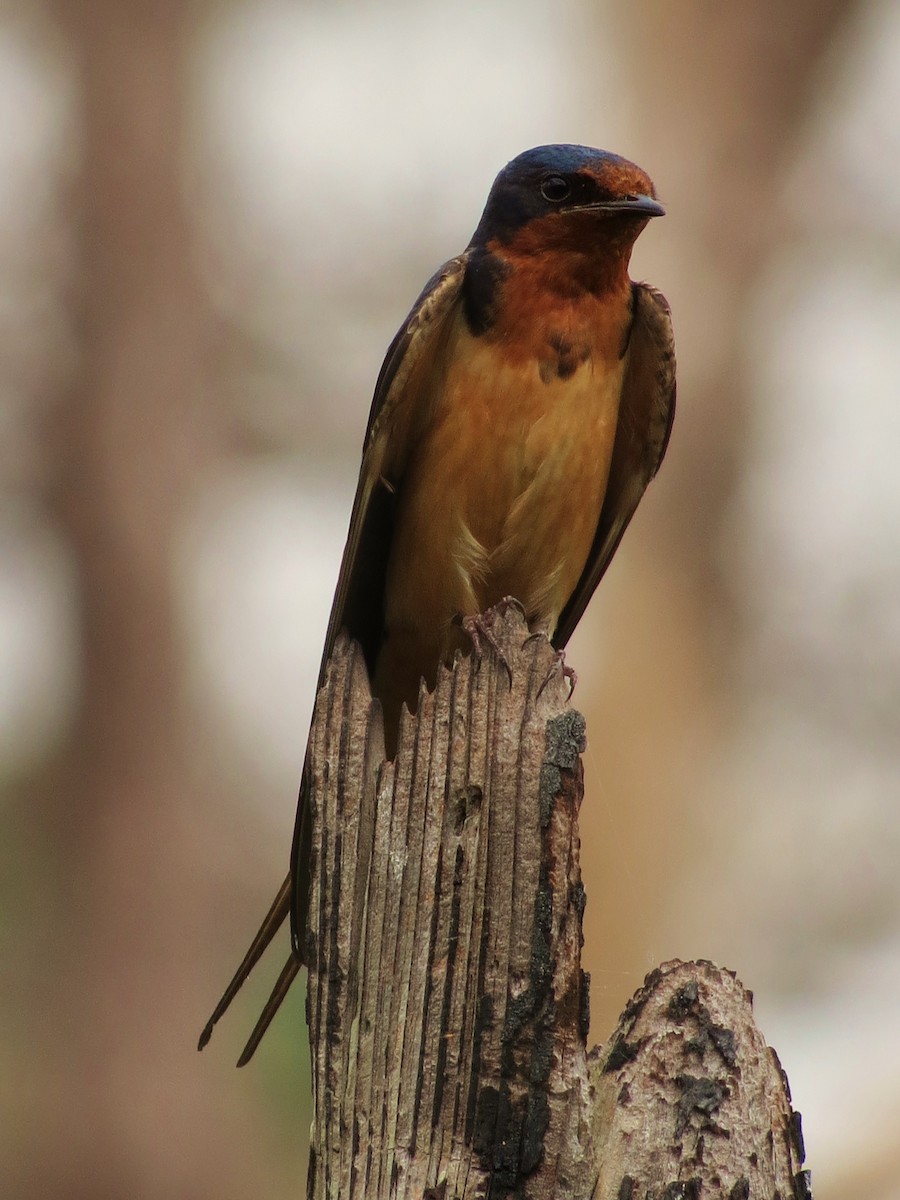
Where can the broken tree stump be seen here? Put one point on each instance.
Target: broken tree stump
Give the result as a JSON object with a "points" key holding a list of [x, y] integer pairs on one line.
{"points": [[448, 1012]]}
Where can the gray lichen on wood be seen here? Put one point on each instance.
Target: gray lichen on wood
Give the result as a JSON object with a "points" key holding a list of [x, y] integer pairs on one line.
{"points": [[447, 1005]]}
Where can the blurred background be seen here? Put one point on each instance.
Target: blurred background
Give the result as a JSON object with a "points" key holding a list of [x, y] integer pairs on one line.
{"points": [[213, 217]]}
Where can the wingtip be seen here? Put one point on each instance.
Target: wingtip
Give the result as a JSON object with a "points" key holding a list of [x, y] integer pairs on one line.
{"points": [[205, 1035]]}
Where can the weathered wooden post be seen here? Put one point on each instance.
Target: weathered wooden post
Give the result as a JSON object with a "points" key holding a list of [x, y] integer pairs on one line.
{"points": [[447, 1005]]}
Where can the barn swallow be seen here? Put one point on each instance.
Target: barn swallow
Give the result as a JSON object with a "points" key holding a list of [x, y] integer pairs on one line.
{"points": [[521, 411]]}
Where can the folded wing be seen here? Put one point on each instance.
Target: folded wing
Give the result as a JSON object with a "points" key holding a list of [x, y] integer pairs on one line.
{"points": [[646, 411]]}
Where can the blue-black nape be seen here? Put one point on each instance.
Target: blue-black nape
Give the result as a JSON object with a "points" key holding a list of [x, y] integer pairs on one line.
{"points": [[516, 197]]}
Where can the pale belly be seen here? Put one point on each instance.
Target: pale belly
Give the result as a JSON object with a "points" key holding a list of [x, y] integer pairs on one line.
{"points": [[502, 498]]}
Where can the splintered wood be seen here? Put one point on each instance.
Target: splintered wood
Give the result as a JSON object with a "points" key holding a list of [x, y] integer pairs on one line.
{"points": [[447, 1005]]}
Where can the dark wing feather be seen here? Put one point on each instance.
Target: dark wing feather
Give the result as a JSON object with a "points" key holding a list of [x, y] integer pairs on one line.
{"points": [[646, 411], [399, 407]]}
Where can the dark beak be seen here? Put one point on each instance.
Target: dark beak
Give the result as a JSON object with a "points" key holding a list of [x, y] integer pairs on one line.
{"points": [[635, 206]]}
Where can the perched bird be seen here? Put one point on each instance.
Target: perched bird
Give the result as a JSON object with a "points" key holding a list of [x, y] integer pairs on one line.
{"points": [[521, 410]]}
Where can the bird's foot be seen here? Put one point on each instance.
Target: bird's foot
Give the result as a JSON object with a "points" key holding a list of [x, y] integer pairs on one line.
{"points": [[502, 607], [560, 664], [480, 626]]}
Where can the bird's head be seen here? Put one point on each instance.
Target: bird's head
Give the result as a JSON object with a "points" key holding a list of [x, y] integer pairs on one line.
{"points": [[567, 196]]}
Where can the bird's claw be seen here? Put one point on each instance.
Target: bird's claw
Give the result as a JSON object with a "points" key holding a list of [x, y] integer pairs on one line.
{"points": [[503, 606], [560, 664], [479, 626]]}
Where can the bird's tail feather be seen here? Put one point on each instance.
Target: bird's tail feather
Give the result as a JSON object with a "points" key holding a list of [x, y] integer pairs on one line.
{"points": [[271, 923], [279, 991]]}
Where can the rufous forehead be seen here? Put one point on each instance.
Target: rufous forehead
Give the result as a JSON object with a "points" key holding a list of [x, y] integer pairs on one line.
{"points": [[621, 178]]}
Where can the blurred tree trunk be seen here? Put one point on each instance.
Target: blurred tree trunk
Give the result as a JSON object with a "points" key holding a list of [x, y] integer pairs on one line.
{"points": [[717, 97], [126, 808]]}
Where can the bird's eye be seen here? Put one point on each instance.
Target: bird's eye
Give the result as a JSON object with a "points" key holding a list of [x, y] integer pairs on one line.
{"points": [[555, 188]]}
